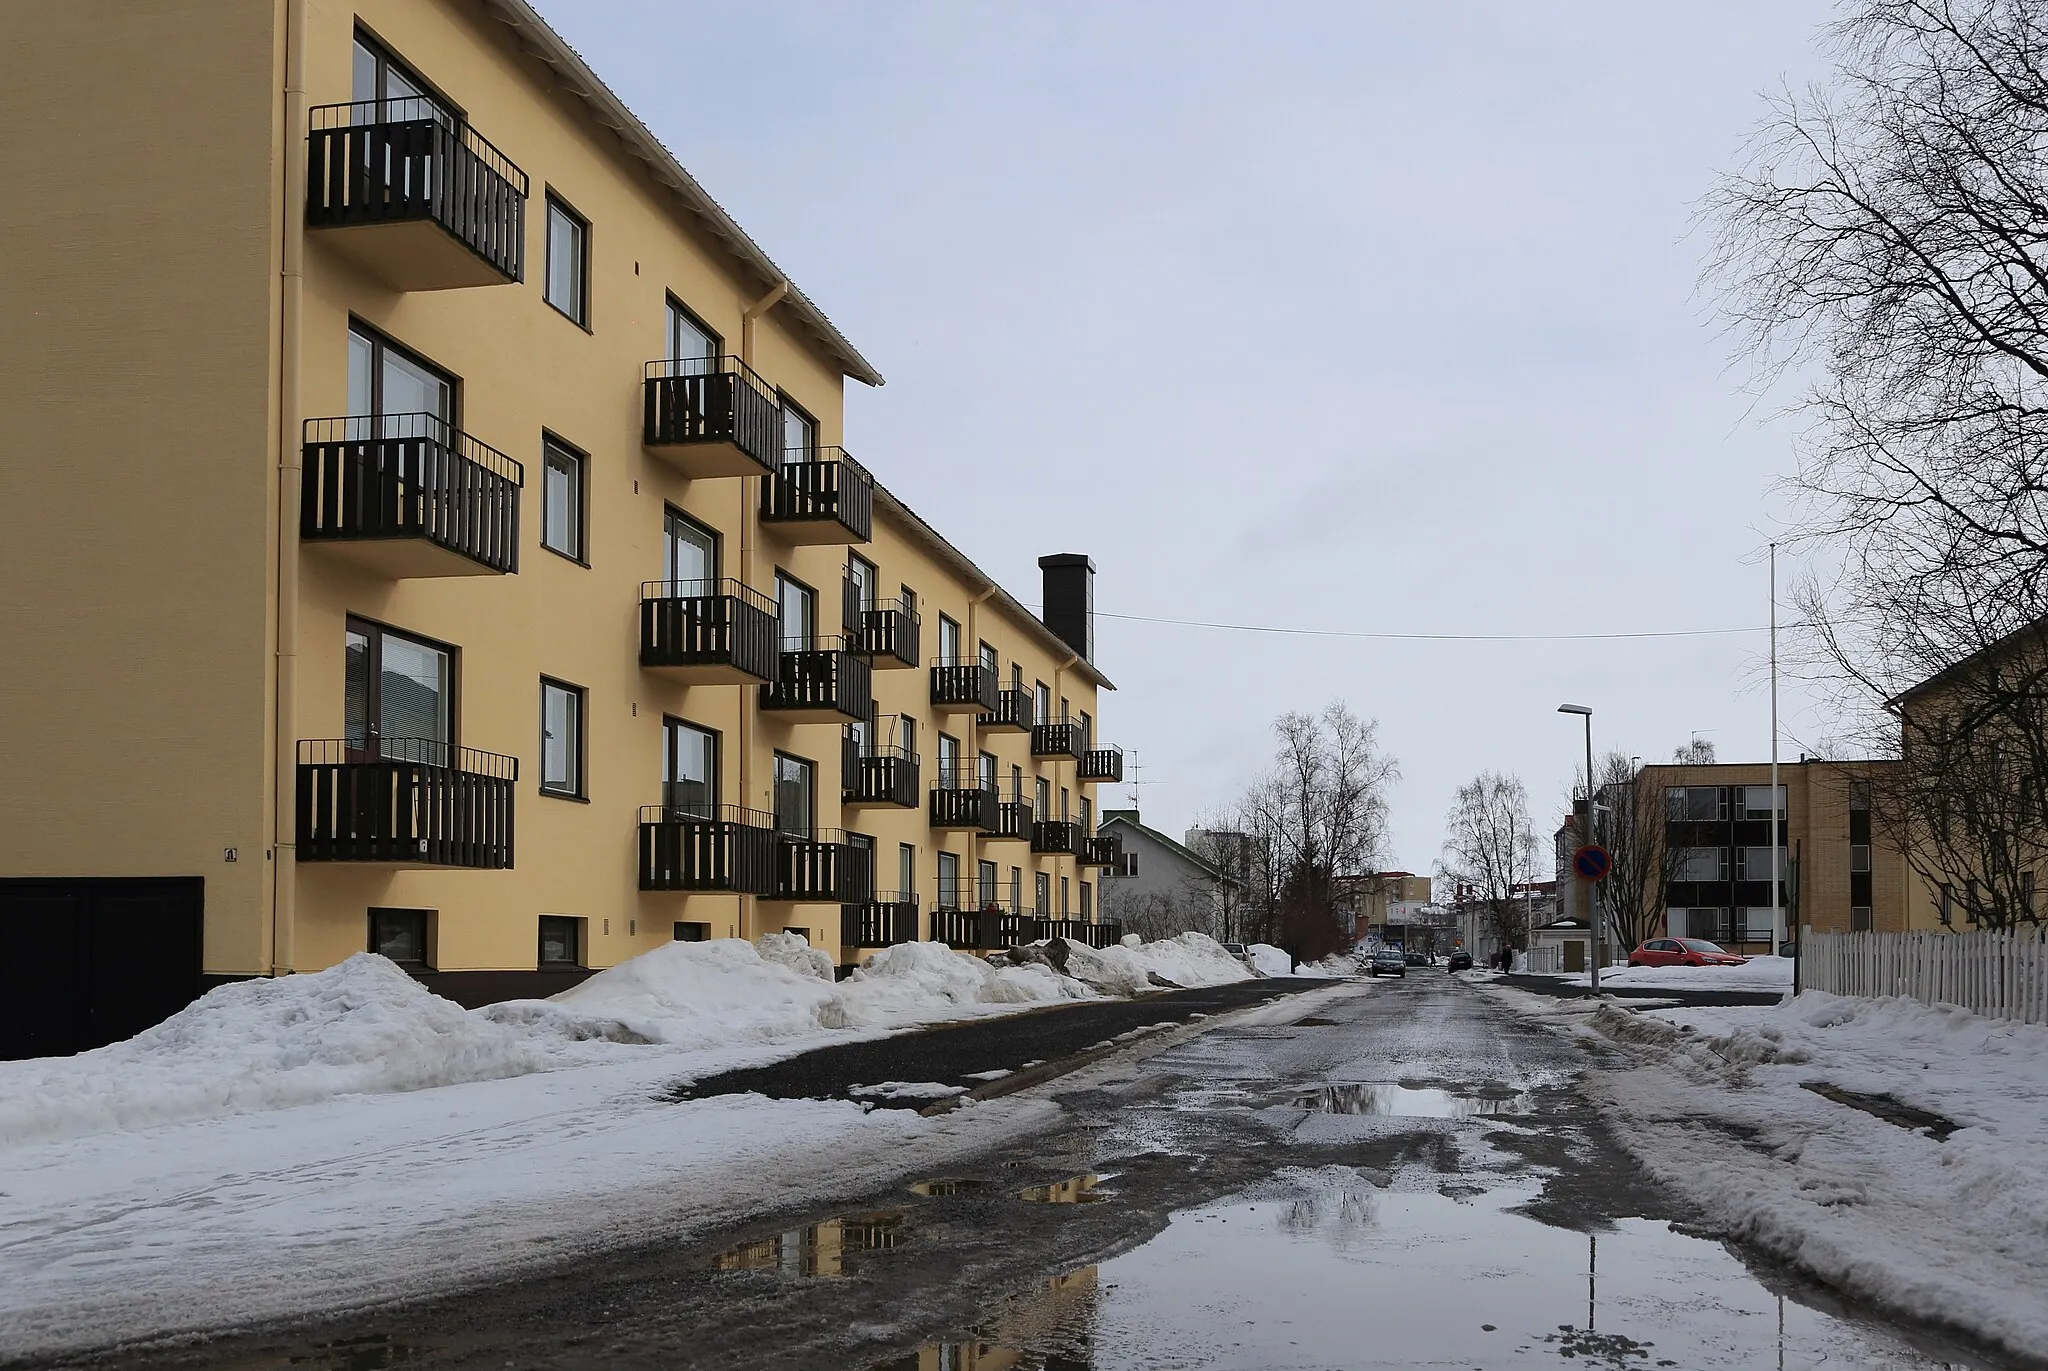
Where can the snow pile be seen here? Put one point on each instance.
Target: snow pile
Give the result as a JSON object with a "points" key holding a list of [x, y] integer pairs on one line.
{"points": [[1190, 960], [1270, 960], [796, 953], [919, 982], [1953, 1232], [708, 994], [360, 1026], [1760, 973]]}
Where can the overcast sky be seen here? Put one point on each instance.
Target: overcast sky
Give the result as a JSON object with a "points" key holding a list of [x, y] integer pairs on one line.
{"points": [[1352, 316]]}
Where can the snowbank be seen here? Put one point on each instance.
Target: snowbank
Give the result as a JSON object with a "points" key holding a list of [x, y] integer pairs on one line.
{"points": [[1954, 1232], [707, 994], [361, 1026], [1270, 960], [1192, 959], [918, 982], [1760, 973]]}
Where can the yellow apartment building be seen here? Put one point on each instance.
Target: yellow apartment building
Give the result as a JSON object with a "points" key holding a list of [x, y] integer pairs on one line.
{"points": [[429, 528]]}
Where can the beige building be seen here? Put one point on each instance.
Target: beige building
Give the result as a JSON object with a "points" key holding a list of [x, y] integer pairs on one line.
{"points": [[429, 530]]}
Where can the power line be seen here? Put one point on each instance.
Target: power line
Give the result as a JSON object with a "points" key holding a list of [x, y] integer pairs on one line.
{"points": [[1437, 637]]}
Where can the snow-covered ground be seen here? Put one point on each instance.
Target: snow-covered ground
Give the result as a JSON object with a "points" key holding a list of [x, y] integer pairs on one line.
{"points": [[1759, 973], [1951, 1232], [340, 1137]]}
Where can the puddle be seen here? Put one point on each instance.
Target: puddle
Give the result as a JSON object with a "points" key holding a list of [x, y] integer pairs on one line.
{"points": [[818, 1249], [1327, 1270], [946, 1187], [1072, 1190], [1313, 1022], [1891, 1110], [375, 1352], [1409, 1102]]}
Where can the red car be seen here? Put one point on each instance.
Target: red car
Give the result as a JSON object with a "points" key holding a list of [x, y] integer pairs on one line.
{"points": [[1683, 952]]}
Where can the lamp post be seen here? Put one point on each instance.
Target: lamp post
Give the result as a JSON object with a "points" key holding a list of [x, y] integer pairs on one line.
{"points": [[1586, 839]]}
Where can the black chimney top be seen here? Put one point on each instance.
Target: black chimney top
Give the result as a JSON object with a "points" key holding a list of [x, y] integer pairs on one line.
{"points": [[1070, 600]]}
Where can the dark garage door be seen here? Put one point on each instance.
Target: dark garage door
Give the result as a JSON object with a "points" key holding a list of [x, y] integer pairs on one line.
{"points": [[87, 962]]}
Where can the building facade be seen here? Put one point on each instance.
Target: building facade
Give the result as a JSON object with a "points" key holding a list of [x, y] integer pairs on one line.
{"points": [[1163, 887], [431, 531]]}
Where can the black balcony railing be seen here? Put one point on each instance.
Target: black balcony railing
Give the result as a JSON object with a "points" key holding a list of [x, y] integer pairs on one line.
{"points": [[411, 477], [890, 917], [828, 498], [963, 800], [957, 928], [876, 775], [1103, 850], [1012, 714], [822, 682], [1081, 931], [1013, 820], [409, 161], [964, 685], [705, 847], [405, 801], [886, 634], [1057, 837], [712, 630], [719, 405], [1102, 764], [1058, 738], [824, 865]]}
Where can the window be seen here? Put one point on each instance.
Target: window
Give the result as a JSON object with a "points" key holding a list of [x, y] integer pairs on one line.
{"points": [[1016, 676], [1017, 783], [1017, 888], [1698, 803], [379, 76], [1859, 918], [949, 641], [400, 934], [398, 696], [985, 884], [1701, 864], [1087, 901], [906, 734], [1064, 906], [689, 563], [1041, 798], [2027, 893], [1087, 730], [949, 763], [561, 499], [393, 393], [1041, 702], [689, 770], [1859, 858], [1859, 794], [949, 878], [561, 941], [988, 661], [692, 933], [1130, 864], [796, 613], [860, 580], [1087, 817], [906, 870], [1757, 924], [568, 270], [561, 739], [1042, 894], [799, 434], [1756, 802], [1064, 811], [1946, 909], [985, 770], [1755, 863], [690, 339], [792, 795], [907, 598]]}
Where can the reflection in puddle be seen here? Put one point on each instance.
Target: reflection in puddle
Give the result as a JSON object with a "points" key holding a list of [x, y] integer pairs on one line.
{"points": [[817, 1249], [1408, 1102], [1267, 1282], [1072, 1190], [951, 1186]]}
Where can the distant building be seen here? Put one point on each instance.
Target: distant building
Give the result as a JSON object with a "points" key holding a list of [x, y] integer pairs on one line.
{"points": [[1162, 887]]}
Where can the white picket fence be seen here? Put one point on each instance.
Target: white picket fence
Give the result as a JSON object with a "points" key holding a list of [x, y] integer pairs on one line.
{"points": [[1998, 975]]}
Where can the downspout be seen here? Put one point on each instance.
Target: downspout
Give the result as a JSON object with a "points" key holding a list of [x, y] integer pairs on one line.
{"points": [[748, 493], [975, 839], [1059, 689], [291, 308]]}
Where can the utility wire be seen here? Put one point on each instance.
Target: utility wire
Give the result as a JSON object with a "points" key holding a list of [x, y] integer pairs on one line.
{"points": [[1438, 637]]}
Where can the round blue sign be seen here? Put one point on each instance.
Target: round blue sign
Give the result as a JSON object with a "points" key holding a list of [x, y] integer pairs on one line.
{"points": [[1592, 862]]}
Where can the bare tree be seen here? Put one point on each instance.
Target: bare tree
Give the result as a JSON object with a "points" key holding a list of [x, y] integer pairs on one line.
{"points": [[1630, 824], [1890, 232], [1698, 752], [1319, 814], [1490, 852]]}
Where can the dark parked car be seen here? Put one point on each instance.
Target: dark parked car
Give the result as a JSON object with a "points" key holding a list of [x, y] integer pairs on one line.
{"points": [[1388, 961], [1417, 959], [1461, 960]]}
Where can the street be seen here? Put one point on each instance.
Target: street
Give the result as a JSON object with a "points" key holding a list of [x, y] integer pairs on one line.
{"points": [[1394, 1173]]}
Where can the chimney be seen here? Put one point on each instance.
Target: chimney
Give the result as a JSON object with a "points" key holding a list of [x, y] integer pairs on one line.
{"points": [[1070, 600]]}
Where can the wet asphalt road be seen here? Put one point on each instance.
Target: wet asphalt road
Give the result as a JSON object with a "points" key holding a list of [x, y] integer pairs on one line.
{"points": [[1390, 1174]]}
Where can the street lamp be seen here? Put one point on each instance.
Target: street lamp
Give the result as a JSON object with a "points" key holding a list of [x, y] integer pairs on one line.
{"points": [[1586, 837]]}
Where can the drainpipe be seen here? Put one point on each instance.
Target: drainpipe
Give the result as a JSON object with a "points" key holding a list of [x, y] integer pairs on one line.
{"points": [[1059, 688], [291, 305], [748, 495]]}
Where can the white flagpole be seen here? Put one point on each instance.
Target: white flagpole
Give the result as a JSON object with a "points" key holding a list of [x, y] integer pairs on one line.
{"points": [[1777, 846]]}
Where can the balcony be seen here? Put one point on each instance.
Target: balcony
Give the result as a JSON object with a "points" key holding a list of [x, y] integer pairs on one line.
{"points": [[1059, 738], [708, 848], [959, 929], [408, 495], [822, 866], [827, 500], [963, 800], [820, 685], [886, 634], [968, 916], [1013, 820], [1057, 837], [711, 416], [1105, 852], [1081, 931], [878, 776], [408, 802], [961, 687], [1101, 764], [1012, 714], [415, 196], [708, 632], [888, 918]]}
